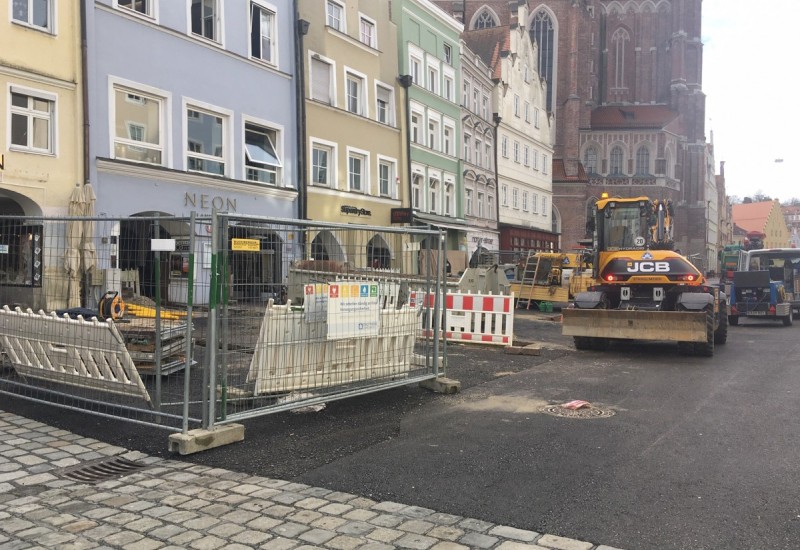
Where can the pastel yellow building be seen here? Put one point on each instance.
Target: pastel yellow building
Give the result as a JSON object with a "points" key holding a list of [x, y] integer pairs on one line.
{"points": [[765, 217], [41, 137]]}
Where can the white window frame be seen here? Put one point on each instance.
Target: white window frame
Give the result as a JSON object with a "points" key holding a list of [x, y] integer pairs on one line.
{"points": [[363, 102], [52, 118], [151, 13], [536, 117], [535, 159], [352, 152], [535, 203], [516, 105], [524, 201], [527, 110], [390, 107], [332, 148], [449, 195], [392, 182], [485, 106], [526, 155], [165, 130], [433, 74], [466, 88], [342, 26], [373, 38], [416, 65], [434, 191], [273, 60], [544, 164], [489, 205], [480, 205], [447, 53], [331, 80], [516, 151], [544, 206], [52, 17], [448, 145], [434, 135], [466, 140], [504, 194], [478, 152], [227, 136], [489, 159], [468, 202], [418, 111], [417, 185], [277, 146], [515, 198], [219, 27], [504, 146]]}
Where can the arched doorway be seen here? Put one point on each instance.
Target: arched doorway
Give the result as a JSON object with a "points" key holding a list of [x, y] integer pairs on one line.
{"points": [[379, 255], [325, 246]]}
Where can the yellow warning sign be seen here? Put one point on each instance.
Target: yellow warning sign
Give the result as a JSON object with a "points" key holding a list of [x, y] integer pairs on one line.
{"points": [[247, 245]]}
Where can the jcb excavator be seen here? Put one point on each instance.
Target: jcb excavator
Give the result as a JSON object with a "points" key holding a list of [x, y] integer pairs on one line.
{"points": [[643, 289]]}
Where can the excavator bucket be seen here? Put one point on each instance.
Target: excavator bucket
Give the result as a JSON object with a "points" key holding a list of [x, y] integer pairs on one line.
{"points": [[675, 326]]}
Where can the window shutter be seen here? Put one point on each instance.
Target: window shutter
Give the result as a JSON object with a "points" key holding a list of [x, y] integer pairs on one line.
{"points": [[320, 80]]}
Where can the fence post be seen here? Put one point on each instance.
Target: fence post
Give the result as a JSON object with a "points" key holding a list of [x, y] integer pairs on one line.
{"points": [[189, 299], [157, 367], [211, 337]]}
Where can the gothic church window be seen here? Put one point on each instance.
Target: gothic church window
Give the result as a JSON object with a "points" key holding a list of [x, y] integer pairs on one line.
{"points": [[619, 42], [590, 160], [543, 32], [616, 161], [485, 20], [642, 161]]}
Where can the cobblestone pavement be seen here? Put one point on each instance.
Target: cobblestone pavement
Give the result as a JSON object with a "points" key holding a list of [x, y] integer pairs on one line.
{"points": [[172, 504]]}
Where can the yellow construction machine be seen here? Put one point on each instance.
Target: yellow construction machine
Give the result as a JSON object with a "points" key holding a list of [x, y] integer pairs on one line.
{"points": [[552, 278], [643, 289]]}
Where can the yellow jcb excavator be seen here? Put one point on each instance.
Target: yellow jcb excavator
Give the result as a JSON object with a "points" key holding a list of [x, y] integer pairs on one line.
{"points": [[643, 289]]}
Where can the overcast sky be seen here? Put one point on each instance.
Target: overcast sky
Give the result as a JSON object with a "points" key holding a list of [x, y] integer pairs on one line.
{"points": [[750, 61]]}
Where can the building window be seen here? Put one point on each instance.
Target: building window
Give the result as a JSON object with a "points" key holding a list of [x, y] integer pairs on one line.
{"points": [[527, 112], [205, 147], [525, 201], [138, 132], [643, 161], [504, 195], [415, 67], [516, 151], [535, 203], [616, 161], [321, 165], [357, 172], [449, 203], [386, 177], [490, 207], [384, 105], [465, 94], [416, 130], [433, 79], [516, 105], [433, 134], [449, 86], [485, 106], [504, 146], [526, 156], [543, 32], [335, 15], [367, 31], [416, 191], [262, 162], [590, 160], [488, 156], [544, 206], [32, 122], [619, 42], [480, 205], [205, 19], [535, 159], [262, 33], [433, 193], [476, 99], [478, 152], [485, 20], [544, 164], [449, 131], [143, 7], [536, 117], [355, 93], [321, 80], [448, 54], [467, 148], [515, 198], [468, 202], [36, 13]]}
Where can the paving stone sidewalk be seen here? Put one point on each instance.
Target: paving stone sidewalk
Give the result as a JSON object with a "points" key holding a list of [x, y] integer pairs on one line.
{"points": [[173, 504]]}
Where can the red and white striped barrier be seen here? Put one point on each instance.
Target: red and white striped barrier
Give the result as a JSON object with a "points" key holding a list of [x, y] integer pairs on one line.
{"points": [[475, 318]]}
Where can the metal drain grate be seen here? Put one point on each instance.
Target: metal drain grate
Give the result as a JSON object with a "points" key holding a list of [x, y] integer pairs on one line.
{"points": [[585, 413], [101, 469]]}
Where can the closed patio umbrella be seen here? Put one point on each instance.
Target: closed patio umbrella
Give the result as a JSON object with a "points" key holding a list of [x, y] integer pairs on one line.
{"points": [[72, 254]]}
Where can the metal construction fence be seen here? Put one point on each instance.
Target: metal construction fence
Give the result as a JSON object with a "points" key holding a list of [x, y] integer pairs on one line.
{"points": [[187, 322]]}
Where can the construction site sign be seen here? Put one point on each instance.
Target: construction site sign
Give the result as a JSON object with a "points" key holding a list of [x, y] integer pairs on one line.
{"points": [[353, 310], [245, 245], [315, 302]]}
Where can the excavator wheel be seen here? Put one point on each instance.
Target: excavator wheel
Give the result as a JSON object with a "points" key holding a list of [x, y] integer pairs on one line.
{"points": [[706, 349], [721, 334]]}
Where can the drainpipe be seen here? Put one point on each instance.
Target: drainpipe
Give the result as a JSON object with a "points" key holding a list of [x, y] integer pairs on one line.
{"points": [[405, 81], [497, 118], [85, 91], [301, 29]]}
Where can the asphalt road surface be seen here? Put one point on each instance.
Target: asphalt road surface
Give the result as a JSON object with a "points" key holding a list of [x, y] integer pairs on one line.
{"points": [[700, 453]]}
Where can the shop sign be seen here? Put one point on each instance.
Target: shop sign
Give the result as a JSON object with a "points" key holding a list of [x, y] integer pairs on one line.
{"points": [[355, 211], [402, 215], [245, 245], [207, 202], [483, 241]]}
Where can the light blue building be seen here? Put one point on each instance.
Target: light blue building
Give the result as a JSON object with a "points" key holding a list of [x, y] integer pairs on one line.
{"points": [[192, 107]]}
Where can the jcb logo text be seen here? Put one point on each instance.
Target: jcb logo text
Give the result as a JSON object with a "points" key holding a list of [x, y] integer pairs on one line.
{"points": [[648, 267]]}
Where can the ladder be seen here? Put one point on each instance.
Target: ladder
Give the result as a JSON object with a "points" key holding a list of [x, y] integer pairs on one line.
{"points": [[529, 276]]}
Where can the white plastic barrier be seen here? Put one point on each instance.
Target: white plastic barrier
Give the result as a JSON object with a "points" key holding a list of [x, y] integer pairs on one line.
{"points": [[294, 354], [471, 318], [89, 354]]}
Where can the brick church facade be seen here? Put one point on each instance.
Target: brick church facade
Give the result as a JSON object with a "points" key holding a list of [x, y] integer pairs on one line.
{"points": [[624, 82]]}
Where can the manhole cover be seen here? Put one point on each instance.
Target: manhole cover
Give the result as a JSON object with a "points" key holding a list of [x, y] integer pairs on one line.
{"points": [[584, 413], [101, 469]]}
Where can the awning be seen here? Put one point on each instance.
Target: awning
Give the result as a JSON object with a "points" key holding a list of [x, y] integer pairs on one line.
{"points": [[436, 222]]}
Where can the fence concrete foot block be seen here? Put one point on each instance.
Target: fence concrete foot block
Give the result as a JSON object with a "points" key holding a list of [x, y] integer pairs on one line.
{"points": [[195, 441], [531, 349], [442, 385]]}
